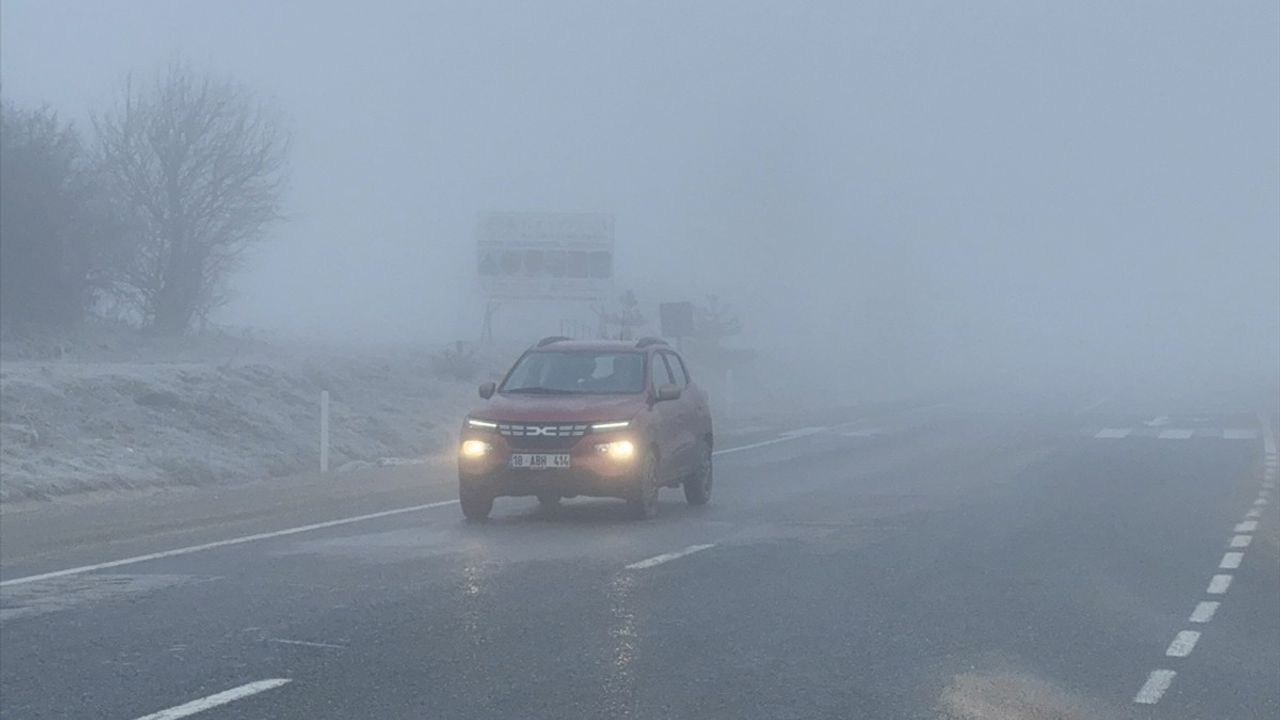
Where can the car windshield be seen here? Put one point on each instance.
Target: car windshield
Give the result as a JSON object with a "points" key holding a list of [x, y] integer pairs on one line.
{"points": [[577, 372]]}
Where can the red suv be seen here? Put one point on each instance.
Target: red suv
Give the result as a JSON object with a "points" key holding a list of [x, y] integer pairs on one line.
{"points": [[600, 418]]}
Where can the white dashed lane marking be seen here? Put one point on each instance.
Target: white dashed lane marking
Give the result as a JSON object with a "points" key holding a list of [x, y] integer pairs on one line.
{"points": [[1204, 611], [1154, 431], [1219, 584], [1155, 686], [1114, 433], [1183, 643], [1239, 434]]}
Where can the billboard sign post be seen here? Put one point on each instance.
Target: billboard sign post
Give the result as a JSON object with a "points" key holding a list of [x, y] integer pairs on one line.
{"points": [[676, 319]]}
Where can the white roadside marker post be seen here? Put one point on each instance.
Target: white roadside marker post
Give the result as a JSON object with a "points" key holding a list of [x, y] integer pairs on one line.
{"points": [[728, 392], [324, 431]]}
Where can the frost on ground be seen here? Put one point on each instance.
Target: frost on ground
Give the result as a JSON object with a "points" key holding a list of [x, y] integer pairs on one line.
{"points": [[101, 419], [112, 409]]}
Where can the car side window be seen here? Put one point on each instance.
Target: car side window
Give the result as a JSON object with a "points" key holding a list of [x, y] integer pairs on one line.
{"points": [[677, 368], [661, 373]]}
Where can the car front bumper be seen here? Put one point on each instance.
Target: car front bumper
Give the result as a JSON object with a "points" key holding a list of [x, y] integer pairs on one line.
{"points": [[567, 483], [590, 473]]}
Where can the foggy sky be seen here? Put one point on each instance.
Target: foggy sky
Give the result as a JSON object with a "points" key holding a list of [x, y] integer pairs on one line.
{"points": [[969, 186]]}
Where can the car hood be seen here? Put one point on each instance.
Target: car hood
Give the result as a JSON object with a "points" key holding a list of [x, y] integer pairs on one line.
{"points": [[559, 408]]}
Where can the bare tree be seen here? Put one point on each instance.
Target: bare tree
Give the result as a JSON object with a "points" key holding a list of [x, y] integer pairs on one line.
{"points": [[202, 165], [715, 321], [625, 316]]}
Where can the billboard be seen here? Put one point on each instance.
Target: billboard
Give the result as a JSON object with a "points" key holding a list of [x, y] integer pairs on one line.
{"points": [[554, 256]]}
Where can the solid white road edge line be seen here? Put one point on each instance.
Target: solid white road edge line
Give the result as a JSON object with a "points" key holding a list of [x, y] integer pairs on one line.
{"points": [[1153, 689], [801, 432], [307, 643], [786, 437], [1094, 405], [213, 701], [301, 529], [1183, 643], [1204, 611], [222, 543], [667, 557]]}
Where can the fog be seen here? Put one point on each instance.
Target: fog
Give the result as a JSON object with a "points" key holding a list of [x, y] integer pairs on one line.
{"points": [[917, 193]]}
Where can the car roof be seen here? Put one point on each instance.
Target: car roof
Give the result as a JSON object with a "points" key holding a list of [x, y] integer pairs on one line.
{"points": [[590, 346]]}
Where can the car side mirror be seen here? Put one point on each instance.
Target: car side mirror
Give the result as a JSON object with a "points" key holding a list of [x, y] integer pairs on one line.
{"points": [[668, 392], [486, 390]]}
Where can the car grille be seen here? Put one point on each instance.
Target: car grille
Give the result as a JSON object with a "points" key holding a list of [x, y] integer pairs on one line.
{"points": [[542, 437], [543, 431]]}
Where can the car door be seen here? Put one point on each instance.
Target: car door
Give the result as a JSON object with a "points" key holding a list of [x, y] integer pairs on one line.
{"points": [[695, 398], [684, 416], [666, 420]]}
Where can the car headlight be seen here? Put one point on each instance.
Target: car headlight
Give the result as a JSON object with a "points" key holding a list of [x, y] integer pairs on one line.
{"points": [[474, 448], [618, 425], [617, 450], [481, 424]]}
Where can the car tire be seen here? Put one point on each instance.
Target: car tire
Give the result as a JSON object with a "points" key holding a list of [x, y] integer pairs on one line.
{"points": [[476, 504], [697, 487], [642, 503]]}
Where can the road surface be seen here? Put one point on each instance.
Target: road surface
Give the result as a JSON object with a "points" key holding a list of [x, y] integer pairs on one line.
{"points": [[1104, 558]]}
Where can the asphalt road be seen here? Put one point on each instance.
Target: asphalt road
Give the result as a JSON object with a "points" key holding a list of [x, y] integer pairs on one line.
{"points": [[964, 560]]}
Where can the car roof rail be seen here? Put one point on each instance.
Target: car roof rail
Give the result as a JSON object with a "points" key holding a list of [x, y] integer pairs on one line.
{"points": [[553, 339], [647, 341]]}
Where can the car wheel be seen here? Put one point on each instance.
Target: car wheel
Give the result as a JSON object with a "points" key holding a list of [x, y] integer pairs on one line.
{"points": [[476, 503], [697, 489], [643, 501]]}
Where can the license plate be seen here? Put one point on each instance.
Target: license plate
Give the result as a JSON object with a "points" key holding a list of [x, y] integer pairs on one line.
{"points": [[539, 461]]}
